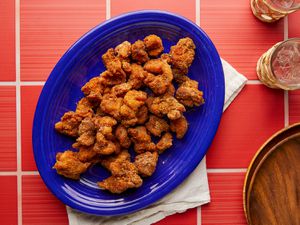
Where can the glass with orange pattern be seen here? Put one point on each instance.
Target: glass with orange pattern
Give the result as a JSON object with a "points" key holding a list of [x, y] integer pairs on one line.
{"points": [[279, 67], [272, 10]]}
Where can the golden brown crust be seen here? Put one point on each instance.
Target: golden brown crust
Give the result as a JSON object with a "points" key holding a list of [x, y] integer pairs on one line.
{"points": [[188, 94], [138, 52], [179, 126], [157, 125], [153, 45], [146, 163], [68, 165], [165, 142]]}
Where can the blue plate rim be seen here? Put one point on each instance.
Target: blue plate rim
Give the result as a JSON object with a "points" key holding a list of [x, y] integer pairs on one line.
{"points": [[37, 143]]}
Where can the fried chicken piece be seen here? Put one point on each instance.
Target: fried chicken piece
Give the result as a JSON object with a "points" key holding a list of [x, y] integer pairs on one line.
{"points": [[164, 143], [138, 52], [128, 116], [146, 163], [189, 95], [182, 79], [158, 83], [153, 45], [182, 55], [86, 131], [105, 125], [122, 136], [121, 89], [142, 115], [116, 158], [123, 50], [87, 154], [166, 58], [69, 124], [166, 105], [157, 125], [126, 67], [109, 79], [84, 108], [179, 126], [141, 139], [111, 105], [103, 146], [137, 76], [93, 89], [135, 99], [68, 165], [125, 177], [113, 63], [170, 91], [99, 112]]}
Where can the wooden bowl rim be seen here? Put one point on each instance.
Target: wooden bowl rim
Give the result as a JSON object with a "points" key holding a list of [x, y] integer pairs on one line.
{"points": [[252, 170]]}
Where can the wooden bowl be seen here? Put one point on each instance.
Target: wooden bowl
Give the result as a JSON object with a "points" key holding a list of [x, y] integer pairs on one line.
{"points": [[272, 185]]}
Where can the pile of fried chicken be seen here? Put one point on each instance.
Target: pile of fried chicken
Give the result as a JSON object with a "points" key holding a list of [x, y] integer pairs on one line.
{"points": [[127, 104]]}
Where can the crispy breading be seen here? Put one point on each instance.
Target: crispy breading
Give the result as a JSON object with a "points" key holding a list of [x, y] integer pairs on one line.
{"points": [[138, 52], [182, 55], [189, 95], [69, 124], [157, 125], [179, 126], [159, 76], [93, 89], [166, 105], [137, 76], [68, 165], [124, 177], [146, 163], [153, 45], [141, 139], [123, 50], [165, 142], [142, 115], [122, 135]]}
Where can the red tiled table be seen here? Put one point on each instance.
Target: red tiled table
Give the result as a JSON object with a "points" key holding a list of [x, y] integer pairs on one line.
{"points": [[36, 34]]}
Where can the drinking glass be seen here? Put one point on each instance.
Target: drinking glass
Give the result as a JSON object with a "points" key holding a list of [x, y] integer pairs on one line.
{"points": [[279, 67], [273, 10]]}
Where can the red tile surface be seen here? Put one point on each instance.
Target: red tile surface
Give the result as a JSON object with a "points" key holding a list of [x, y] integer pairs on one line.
{"points": [[187, 218], [239, 37], [39, 206], [8, 200], [49, 28], [184, 8], [7, 40], [294, 106], [226, 206], [249, 121], [29, 97], [8, 128], [294, 27]]}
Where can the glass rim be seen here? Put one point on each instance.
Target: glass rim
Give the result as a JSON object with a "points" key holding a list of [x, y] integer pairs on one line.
{"points": [[276, 50], [287, 10]]}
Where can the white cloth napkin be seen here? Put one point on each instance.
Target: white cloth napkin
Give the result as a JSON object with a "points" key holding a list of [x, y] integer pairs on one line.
{"points": [[193, 192]]}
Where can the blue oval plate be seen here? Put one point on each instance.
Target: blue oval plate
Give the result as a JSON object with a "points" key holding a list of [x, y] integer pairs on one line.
{"points": [[82, 62]]}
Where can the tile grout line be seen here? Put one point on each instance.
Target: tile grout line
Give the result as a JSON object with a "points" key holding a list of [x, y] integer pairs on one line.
{"points": [[14, 173], [108, 9], [197, 12], [199, 215], [286, 93], [22, 83], [18, 111], [223, 170], [251, 82], [197, 18]]}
